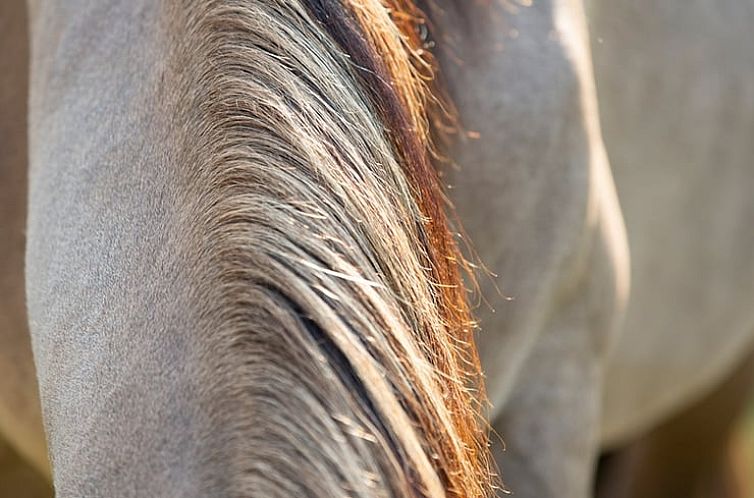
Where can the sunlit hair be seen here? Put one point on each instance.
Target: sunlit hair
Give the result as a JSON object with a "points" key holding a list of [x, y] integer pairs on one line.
{"points": [[335, 301]]}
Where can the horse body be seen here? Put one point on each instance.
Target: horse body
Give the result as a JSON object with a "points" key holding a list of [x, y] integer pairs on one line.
{"points": [[676, 103], [82, 239], [527, 76], [535, 195], [689, 321], [120, 285]]}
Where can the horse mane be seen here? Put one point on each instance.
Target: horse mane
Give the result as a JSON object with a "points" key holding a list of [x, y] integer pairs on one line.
{"points": [[342, 347]]}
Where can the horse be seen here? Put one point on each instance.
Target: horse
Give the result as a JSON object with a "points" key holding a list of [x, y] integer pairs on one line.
{"points": [[304, 329], [607, 187], [242, 270]]}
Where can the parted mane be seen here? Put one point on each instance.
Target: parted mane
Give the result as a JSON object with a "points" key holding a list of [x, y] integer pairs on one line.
{"points": [[340, 332]]}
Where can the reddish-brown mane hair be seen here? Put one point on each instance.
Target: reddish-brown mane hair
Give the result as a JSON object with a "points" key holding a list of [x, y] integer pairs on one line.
{"points": [[384, 38]]}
